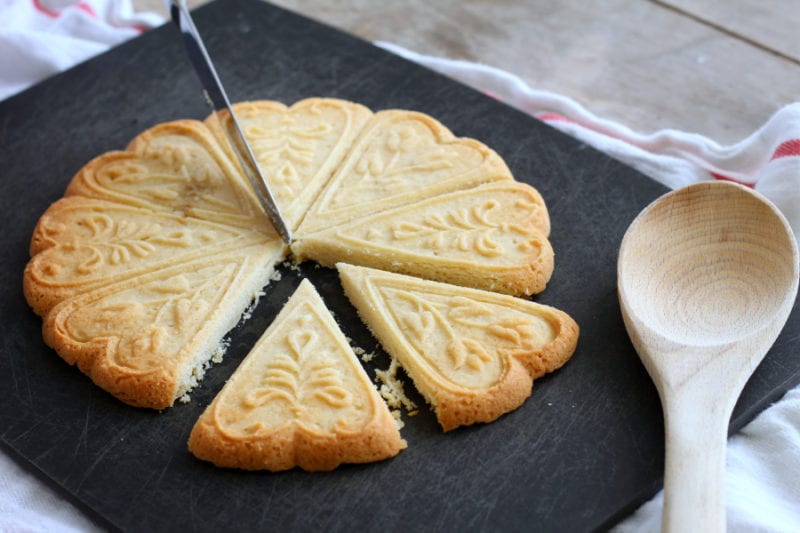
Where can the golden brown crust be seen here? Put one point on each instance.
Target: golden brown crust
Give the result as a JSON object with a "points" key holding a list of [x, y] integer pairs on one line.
{"points": [[289, 447], [300, 398], [472, 354], [176, 167]]}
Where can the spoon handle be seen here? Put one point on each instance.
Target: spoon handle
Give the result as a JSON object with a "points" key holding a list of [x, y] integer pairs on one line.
{"points": [[696, 429]]}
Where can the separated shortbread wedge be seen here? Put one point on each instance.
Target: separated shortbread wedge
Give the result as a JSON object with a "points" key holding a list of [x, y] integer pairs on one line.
{"points": [[300, 398], [472, 354], [492, 237]]}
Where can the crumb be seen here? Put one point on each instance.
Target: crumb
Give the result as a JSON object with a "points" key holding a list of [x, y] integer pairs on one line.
{"points": [[276, 276], [219, 353], [397, 420], [360, 352], [391, 388], [248, 313], [290, 264], [363, 354], [199, 371]]}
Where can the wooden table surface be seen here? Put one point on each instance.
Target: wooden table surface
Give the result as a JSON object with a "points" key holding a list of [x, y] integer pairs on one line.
{"points": [[720, 69]]}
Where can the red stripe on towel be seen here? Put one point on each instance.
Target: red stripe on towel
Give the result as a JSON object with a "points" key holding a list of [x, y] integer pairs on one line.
{"points": [[552, 117], [786, 149], [37, 5], [54, 13], [86, 8], [723, 177]]}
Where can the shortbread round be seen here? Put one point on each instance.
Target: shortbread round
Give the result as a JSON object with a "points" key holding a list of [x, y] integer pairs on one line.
{"points": [[155, 252]]}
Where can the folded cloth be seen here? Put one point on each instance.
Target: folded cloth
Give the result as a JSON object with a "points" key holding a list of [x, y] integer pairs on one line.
{"points": [[762, 486], [28, 505], [42, 37], [767, 160], [39, 38]]}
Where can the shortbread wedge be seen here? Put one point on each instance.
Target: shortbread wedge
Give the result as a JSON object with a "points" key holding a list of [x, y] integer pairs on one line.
{"points": [[83, 243], [300, 398], [297, 148], [177, 167], [472, 354], [492, 237], [151, 257], [399, 158]]}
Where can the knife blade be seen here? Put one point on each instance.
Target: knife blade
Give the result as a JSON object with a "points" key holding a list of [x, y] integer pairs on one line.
{"points": [[218, 100]]}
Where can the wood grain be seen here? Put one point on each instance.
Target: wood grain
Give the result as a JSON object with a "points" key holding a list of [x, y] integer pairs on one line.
{"points": [[707, 277], [640, 63], [771, 24]]}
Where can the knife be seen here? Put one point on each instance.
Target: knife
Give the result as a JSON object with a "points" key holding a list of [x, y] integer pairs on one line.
{"points": [[218, 100]]}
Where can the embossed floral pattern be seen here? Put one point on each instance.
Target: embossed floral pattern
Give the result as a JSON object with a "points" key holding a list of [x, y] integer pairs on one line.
{"points": [[465, 229], [395, 158], [161, 315], [476, 335], [299, 375], [500, 224], [175, 167], [288, 149], [298, 147]]}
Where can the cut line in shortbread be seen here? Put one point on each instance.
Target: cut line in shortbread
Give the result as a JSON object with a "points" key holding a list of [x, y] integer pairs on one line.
{"points": [[297, 148], [399, 158]]}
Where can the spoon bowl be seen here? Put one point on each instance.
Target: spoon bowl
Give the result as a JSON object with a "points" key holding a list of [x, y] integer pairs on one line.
{"points": [[707, 277]]}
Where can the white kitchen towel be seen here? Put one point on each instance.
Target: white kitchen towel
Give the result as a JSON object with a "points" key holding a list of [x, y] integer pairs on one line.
{"points": [[28, 505], [768, 160], [41, 37]]}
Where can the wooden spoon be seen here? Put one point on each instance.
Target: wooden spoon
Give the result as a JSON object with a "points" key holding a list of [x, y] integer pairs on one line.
{"points": [[707, 277]]}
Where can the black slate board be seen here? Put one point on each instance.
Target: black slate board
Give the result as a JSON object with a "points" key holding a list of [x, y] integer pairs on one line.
{"points": [[585, 449]]}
